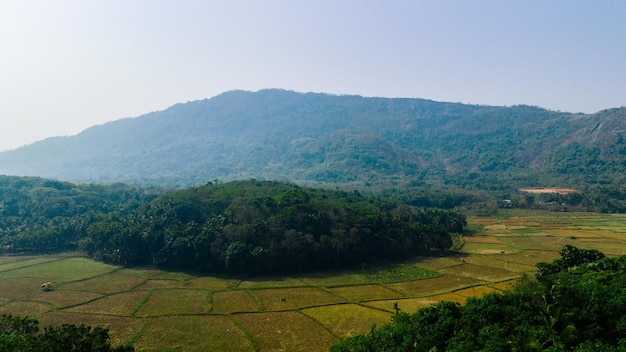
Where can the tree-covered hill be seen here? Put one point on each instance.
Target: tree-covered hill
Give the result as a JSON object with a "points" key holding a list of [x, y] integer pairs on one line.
{"points": [[243, 227], [311, 137]]}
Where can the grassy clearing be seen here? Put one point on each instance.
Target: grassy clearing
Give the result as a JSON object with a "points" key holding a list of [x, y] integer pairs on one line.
{"points": [[488, 248], [170, 275], [604, 234], [551, 243], [476, 291], [409, 305], [121, 304], [602, 220], [286, 331], [397, 273], [437, 263], [495, 228], [611, 248], [16, 287], [295, 298], [64, 270], [105, 284], [574, 232], [209, 283], [482, 239], [499, 262], [160, 284], [61, 298], [336, 279], [348, 319], [11, 263], [445, 283], [193, 333], [235, 301], [526, 242], [366, 292], [175, 302], [24, 308], [480, 272], [532, 257], [527, 230], [15, 258], [271, 283]]}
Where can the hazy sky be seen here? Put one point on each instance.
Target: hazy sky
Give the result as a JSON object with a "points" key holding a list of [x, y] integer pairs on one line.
{"points": [[67, 65]]}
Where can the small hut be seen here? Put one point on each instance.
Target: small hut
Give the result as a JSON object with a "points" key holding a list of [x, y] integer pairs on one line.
{"points": [[46, 287]]}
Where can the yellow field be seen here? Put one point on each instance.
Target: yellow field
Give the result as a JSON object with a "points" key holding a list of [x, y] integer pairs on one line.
{"points": [[121, 304], [406, 305], [161, 310], [286, 331], [175, 302], [106, 284], [346, 320], [233, 301], [199, 333], [295, 298], [366, 292]]}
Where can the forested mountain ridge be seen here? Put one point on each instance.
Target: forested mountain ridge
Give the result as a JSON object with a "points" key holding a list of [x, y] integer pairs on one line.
{"points": [[277, 134]]}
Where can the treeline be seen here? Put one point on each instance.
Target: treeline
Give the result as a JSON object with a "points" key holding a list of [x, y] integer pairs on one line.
{"points": [[40, 216], [576, 303], [252, 227], [23, 334], [596, 198]]}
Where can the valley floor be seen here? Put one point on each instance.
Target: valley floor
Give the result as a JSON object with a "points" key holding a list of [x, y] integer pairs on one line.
{"points": [[160, 310]]}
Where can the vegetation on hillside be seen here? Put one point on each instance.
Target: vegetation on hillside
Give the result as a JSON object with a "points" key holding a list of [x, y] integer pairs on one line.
{"points": [[576, 303]]}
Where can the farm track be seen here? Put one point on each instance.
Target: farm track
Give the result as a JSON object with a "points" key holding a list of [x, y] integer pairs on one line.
{"points": [[159, 310]]}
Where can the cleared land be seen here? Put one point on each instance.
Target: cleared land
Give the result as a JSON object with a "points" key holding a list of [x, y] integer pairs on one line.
{"points": [[547, 190], [160, 311]]}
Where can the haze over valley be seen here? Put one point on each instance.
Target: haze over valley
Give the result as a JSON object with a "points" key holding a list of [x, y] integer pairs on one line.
{"points": [[312, 175]]}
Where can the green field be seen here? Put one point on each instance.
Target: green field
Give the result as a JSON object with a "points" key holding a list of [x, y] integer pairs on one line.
{"points": [[160, 311]]}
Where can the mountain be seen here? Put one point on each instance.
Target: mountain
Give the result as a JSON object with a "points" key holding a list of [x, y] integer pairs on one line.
{"points": [[315, 137]]}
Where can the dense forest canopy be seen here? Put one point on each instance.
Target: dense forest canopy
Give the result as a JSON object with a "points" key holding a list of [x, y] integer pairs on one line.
{"points": [[251, 227], [576, 303], [320, 138]]}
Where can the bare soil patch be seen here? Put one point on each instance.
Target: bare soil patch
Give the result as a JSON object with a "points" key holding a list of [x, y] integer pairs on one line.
{"points": [[547, 190]]}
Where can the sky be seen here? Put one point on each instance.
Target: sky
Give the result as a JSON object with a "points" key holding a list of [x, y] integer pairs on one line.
{"points": [[66, 65]]}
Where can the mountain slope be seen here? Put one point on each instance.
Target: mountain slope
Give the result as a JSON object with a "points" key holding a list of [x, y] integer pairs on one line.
{"points": [[279, 134]]}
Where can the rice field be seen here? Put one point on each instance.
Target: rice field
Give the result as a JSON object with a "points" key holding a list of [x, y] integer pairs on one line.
{"points": [[160, 310]]}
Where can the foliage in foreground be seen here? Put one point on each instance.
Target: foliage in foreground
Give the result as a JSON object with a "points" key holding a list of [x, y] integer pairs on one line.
{"points": [[21, 334], [579, 307]]}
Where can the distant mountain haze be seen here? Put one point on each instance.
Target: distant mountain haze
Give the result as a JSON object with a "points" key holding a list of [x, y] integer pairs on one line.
{"points": [[315, 137]]}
